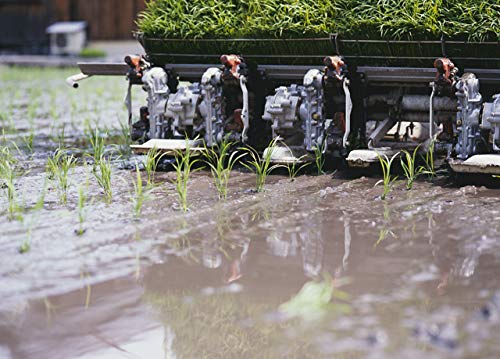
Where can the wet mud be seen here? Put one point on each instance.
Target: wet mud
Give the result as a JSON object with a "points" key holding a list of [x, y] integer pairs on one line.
{"points": [[414, 275]]}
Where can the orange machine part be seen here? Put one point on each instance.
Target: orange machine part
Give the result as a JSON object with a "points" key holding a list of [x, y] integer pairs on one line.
{"points": [[232, 62], [444, 66], [334, 63]]}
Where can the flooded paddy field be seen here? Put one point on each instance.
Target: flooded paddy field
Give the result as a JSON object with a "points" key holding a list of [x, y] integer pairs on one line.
{"points": [[318, 267]]}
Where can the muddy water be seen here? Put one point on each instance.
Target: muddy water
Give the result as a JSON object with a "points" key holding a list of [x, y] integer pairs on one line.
{"points": [[415, 275], [419, 273]]}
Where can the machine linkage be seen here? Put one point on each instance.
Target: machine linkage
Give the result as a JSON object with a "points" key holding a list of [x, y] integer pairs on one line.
{"points": [[354, 114]]}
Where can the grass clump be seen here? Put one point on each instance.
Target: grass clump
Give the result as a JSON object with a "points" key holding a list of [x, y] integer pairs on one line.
{"points": [[221, 162], [183, 165], [388, 180], [59, 166], [261, 166]]}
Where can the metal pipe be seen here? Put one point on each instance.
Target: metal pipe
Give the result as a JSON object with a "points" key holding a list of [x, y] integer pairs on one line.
{"points": [[348, 109], [72, 81], [244, 111], [209, 118], [128, 105], [431, 112], [423, 103]]}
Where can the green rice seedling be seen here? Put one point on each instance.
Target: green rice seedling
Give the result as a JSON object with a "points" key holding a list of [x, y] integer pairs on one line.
{"points": [[153, 157], [8, 176], [399, 19], [61, 136], [388, 180], [40, 202], [26, 243], [59, 166], [25, 246], [183, 165], [408, 164], [429, 162], [261, 166], [294, 169], [126, 141], [102, 173], [319, 155], [28, 142], [82, 199], [221, 162], [139, 195], [97, 144]]}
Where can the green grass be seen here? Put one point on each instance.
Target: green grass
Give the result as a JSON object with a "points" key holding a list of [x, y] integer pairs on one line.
{"points": [[393, 19], [90, 52], [59, 166], [388, 180], [261, 165], [221, 162]]}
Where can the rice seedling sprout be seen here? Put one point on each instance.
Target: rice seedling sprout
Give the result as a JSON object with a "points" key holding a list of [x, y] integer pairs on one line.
{"points": [[82, 200], [261, 166], [153, 157], [59, 166], [408, 164], [319, 155], [102, 173], [8, 176], [139, 195], [429, 168], [388, 180], [221, 162], [183, 165]]}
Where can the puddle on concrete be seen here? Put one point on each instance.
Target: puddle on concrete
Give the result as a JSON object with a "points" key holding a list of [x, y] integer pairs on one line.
{"points": [[415, 275]]}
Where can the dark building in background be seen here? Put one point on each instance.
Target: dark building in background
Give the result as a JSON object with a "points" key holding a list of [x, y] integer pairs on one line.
{"points": [[23, 22]]}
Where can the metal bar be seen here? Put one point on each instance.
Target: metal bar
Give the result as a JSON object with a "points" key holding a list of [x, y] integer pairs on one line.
{"points": [[104, 68], [323, 55], [436, 42]]}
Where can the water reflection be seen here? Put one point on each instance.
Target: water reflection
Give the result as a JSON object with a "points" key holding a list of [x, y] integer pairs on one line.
{"points": [[309, 238]]}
